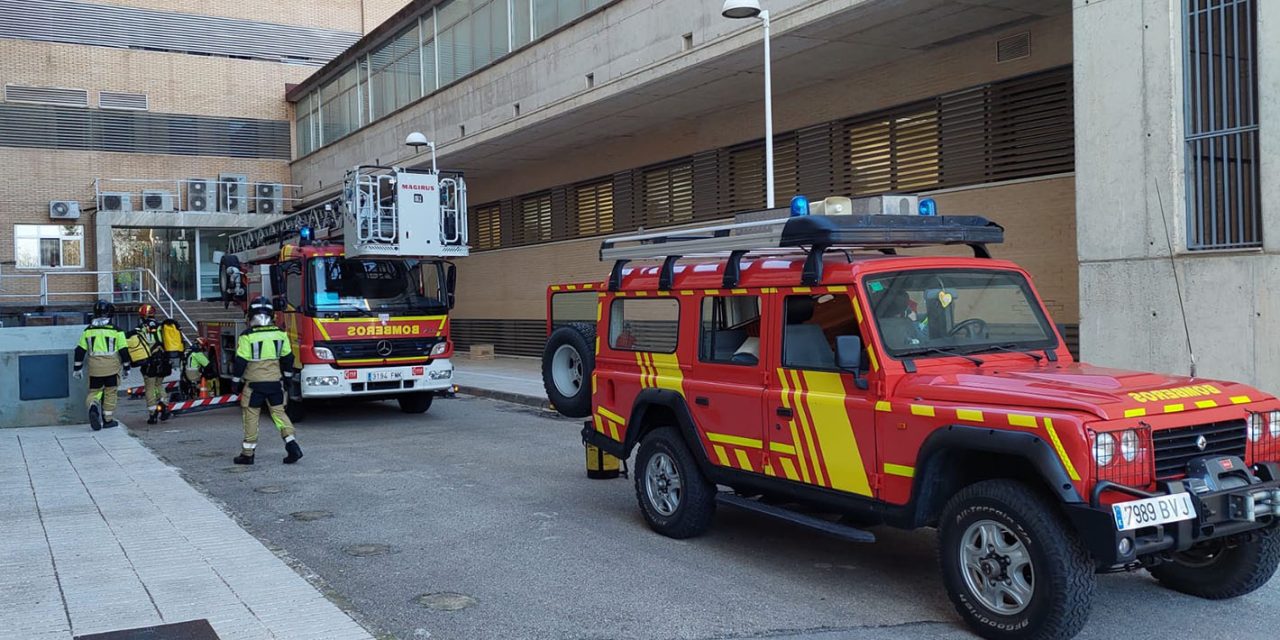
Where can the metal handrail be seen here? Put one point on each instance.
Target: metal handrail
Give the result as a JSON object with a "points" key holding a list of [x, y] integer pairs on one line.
{"points": [[156, 292]]}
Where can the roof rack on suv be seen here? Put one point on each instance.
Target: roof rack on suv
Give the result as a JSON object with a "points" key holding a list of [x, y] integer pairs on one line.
{"points": [[814, 234]]}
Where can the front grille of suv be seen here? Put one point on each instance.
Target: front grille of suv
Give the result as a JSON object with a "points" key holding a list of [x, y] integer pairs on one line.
{"points": [[1176, 447]]}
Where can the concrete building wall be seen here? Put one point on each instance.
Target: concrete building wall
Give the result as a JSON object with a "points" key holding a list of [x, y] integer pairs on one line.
{"points": [[339, 15], [633, 43], [1130, 182]]}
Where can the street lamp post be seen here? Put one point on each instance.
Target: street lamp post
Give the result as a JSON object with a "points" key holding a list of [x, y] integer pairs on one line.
{"points": [[751, 9]]}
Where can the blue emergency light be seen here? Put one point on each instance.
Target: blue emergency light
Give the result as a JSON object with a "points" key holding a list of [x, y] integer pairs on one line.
{"points": [[928, 207], [799, 206], [304, 236]]}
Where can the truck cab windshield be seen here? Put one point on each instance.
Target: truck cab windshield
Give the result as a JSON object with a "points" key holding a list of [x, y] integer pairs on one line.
{"points": [[941, 312], [360, 286]]}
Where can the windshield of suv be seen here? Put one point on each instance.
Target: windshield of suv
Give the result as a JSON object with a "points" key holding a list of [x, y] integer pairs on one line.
{"points": [[360, 286], [940, 312]]}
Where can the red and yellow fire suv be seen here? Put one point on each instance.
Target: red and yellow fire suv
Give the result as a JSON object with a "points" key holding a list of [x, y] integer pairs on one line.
{"points": [[808, 378], [362, 285]]}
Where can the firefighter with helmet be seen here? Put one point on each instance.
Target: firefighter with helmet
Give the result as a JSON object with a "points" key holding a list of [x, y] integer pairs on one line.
{"points": [[263, 366], [104, 348], [196, 368], [155, 364]]}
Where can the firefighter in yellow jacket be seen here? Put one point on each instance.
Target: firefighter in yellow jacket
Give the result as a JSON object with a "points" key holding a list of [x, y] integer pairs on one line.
{"points": [[157, 365], [104, 348], [264, 364]]}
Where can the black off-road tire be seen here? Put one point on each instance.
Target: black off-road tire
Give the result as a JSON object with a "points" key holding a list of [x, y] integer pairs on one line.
{"points": [[1063, 570], [1230, 573], [580, 337], [415, 402], [697, 504]]}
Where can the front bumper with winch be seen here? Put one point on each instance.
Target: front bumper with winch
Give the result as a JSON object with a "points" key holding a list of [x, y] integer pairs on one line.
{"points": [[1230, 499]]}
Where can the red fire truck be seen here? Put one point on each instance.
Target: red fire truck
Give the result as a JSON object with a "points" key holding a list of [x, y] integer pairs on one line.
{"points": [[362, 284]]}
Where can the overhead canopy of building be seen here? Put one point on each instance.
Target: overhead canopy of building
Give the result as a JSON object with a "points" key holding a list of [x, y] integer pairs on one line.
{"points": [[814, 44]]}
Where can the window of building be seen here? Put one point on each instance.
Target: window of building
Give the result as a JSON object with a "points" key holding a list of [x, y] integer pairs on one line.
{"points": [[395, 73], [535, 219], [48, 246], [644, 324], [593, 208], [730, 331], [668, 195], [812, 324], [340, 106], [895, 153], [1220, 90], [471, 34], [488, 227]]}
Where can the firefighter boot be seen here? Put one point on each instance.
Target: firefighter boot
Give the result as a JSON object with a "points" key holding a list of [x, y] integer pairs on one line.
{"points": [[165, 413], [151, 419], [110, 424], [243, 459], [95, 417], [295, 451]]}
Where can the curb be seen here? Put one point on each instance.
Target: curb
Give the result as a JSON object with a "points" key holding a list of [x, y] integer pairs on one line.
{"points": [[538, 402]]}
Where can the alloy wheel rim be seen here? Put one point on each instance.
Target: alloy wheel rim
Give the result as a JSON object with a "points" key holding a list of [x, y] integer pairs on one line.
{"points": [[566, 370], [662, 484], [997, 567]]}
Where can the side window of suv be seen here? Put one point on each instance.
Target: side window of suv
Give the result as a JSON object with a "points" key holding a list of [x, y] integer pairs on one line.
{"points": [[644, 324], [811, 326], [730, 330]]}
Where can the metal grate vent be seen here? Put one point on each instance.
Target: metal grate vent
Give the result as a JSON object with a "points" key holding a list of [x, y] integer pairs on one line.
{"points": [[1013, 47], [125, 101], [146, 29], [46, 95]]}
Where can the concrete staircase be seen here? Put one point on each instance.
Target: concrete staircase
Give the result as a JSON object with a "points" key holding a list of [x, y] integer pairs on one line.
{"points": [[200, 311]]}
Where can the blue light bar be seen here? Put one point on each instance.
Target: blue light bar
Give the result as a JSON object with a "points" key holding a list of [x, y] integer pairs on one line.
{"points": [[799, 206]]}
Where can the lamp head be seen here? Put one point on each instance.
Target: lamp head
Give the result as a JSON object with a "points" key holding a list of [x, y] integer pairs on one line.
{"points": [[415, 140], [741, 9]]}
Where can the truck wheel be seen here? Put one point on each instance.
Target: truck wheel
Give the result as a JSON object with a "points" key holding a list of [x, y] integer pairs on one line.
{"points": [[674, 497], [415, 402], [567, 363], [296, 409], [1219, 572], [1013, 566]]}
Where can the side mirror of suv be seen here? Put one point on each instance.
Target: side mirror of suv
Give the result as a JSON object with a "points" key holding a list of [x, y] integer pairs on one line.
{"points": [[849, 358]]}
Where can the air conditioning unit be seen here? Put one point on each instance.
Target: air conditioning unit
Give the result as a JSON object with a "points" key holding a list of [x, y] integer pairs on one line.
{"points": [[269, 197], [115, 201], [64, 209], [233, 193], [201, 194], [889, 205], [155, 200]]}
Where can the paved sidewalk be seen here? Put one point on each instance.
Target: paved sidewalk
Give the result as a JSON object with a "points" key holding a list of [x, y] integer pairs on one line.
{"points": [[510, 379], [97, 534]]}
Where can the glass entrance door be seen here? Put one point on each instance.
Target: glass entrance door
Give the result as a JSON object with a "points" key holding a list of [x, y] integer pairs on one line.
{"points": [[210, 245], [169, 253]]}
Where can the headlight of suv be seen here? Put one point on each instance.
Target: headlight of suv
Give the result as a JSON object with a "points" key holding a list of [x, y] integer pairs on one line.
{"points": [[1104, 448], [1256, 426], [440, 348], [1129, 445]]}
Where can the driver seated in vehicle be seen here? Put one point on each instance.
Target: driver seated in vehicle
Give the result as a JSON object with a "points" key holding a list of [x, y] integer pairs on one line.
{"points": [[897, 320]]}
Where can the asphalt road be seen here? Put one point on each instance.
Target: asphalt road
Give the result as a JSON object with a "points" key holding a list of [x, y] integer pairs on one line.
{"points": [[489, 501]]}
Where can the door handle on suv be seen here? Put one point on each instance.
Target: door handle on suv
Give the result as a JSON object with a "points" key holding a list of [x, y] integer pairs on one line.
{"points": [[702, 401], [785, 412]]}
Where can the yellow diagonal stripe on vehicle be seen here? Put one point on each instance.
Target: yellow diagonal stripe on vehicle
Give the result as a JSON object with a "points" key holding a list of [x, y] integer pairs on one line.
{"points": [[720, 455], [826, 400], [743, 462], [785, 380], [611, 415], [1062, 453], [667, 373], [1019, 420], [899, 470], [789, 469], [969, 415], [613, 431], [871, 355], [802, 413], [778, 447], [737, 441], [320, 326], [1135, 413]]}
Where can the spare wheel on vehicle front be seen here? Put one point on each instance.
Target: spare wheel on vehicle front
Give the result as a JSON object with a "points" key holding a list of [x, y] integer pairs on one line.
{"points": [[567, 363]]}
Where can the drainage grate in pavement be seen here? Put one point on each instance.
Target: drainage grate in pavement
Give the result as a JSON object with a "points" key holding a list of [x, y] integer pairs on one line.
{"points": [[366, 550], [445, 601], [191, 630]]}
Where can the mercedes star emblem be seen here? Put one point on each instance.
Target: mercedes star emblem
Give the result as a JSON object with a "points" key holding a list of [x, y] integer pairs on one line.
{"points": [[384, 350], [1202, 442]]}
